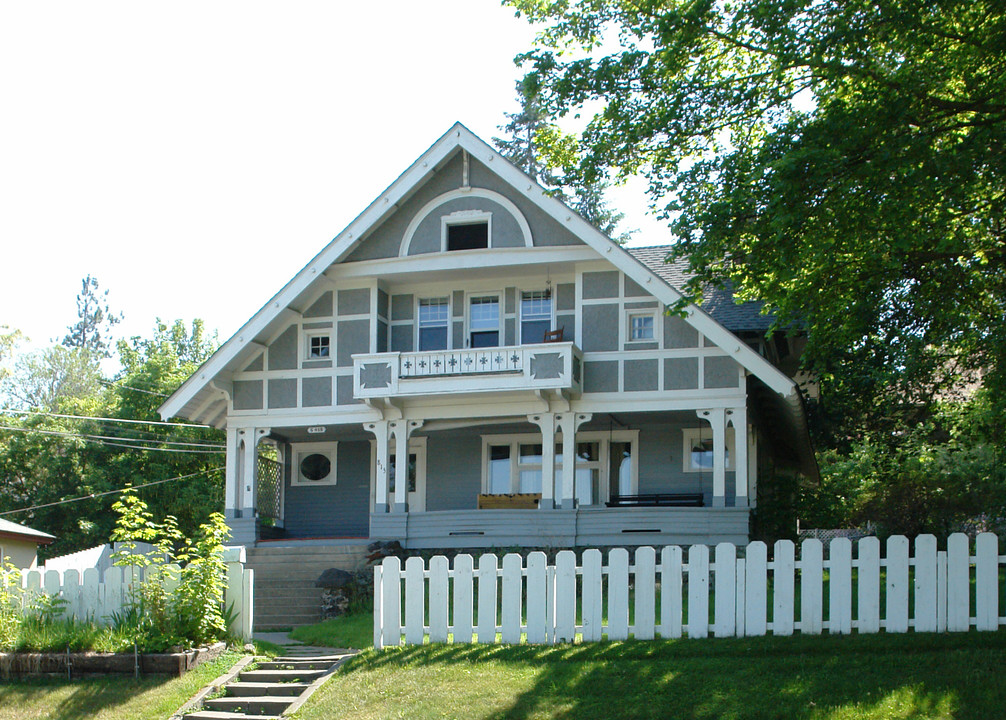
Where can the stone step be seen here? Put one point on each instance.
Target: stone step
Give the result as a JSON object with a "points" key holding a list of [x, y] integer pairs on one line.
{"points": [[258, 705], [301, 603], [330, 659], [298, 664], [279, 676], [260, 689], [286, 619], [223, 715]]}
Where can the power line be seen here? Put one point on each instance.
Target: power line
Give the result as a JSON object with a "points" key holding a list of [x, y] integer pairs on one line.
{"points": [[109, 492], [107, 419], [106, 440], [134, 389]]}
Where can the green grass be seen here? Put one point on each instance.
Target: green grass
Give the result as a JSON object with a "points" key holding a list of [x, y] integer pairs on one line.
{"points": [[106, 698], [355, 630], [950, 676]]}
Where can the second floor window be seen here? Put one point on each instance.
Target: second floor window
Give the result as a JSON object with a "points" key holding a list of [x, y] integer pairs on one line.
{"points": [[535, 316], [484, 321], [433, 320], [319, 347]]}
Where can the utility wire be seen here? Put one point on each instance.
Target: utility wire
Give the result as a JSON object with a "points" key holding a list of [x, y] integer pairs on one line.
{"points": [[106, 440], [109, 492], [109, 383], [107, 419]]}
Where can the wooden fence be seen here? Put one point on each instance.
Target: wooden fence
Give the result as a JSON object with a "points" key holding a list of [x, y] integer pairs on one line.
{"points": [[86, 597], [693, 592]]}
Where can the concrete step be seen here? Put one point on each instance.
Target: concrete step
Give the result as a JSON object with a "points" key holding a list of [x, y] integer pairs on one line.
{"points": [[279, 676], [260, 689], [260, 705], [298, 664], [330, 659], [222, 715]]}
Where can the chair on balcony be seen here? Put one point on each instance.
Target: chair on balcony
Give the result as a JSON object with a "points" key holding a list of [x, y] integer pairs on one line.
{"points": [[554, 336]]}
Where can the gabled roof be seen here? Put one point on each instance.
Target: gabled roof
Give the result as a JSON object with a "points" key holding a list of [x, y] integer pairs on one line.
{"points": [[12, 529], [718, 302], [195, 394]]}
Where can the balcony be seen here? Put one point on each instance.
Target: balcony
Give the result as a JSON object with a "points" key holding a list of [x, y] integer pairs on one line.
{"points": [[546, 367]]}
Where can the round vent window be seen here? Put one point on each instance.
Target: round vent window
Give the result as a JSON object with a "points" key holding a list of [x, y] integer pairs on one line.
{"points": [[315, 467]]}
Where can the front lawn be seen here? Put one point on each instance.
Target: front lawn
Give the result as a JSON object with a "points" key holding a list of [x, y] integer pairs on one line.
{"points": [[355, 630], [106, 698], [950, 676]]}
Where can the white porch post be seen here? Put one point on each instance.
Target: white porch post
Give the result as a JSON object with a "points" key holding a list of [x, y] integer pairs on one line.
{"points": [[380, 430], [717, 420], [546, 422], [248, 480], [739, 420], [231, 481], [568, 424], [402, 429]]}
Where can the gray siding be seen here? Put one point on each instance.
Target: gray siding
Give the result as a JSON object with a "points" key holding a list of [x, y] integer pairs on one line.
{"points": [[453, 471], [641, 375], [603, 323], [317, 392], [354, 337], [401, 338], [402, 307], [248, 395], [681, 373], [283, 352], [600, 285], [679, 334], [601, 376], [344, 390], [282, 393], [322, 307], [354, 302], [721, 372], [333, 510]]}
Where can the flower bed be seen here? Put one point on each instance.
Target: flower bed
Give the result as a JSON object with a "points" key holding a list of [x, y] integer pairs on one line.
{"points": [[80, 664]]}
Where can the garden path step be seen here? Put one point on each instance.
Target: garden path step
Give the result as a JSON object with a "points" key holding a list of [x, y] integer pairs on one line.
{"points": [[221, 715], [275, 676], [260, 689], [304, 663], [261, 705]]}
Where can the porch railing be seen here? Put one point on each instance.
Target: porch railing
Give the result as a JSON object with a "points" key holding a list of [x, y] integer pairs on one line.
{"points": [[549, 366]]}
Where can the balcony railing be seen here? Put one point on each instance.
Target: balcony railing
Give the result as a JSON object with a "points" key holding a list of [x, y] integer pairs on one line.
{"points": [[550, 366]]}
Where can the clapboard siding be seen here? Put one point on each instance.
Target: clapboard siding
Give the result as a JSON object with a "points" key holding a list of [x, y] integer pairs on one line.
{"points": [[453, 471], [340, 510], [478, 528], [674, 526]]}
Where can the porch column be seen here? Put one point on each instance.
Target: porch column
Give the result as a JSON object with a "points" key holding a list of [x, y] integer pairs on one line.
{"points": [[752, 468], [568, 424], [245, 447], [231, 495], [402, 429], [738, 418], [380, 430], [546, 422], [717, 420]]}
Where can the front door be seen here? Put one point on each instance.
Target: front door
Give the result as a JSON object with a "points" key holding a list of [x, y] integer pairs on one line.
{"points": [[417, 474]]}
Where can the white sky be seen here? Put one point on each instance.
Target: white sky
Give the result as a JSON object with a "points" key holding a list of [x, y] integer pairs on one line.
{"points": [[195, 155]]}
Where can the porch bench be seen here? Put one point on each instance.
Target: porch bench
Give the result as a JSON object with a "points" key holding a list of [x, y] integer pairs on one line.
{"points": [[657, 500], [519, 501]]}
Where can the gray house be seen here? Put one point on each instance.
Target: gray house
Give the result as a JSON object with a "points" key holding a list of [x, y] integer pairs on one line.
{"points": [[471, 364]]}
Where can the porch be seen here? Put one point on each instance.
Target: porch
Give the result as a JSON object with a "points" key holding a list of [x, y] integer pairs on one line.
{"points": [[579, 527]]}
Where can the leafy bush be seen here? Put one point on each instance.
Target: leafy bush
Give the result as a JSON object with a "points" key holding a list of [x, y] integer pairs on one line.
{"points": [[179, 601]]}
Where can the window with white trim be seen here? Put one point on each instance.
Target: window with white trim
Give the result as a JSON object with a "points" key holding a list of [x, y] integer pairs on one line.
{"points": [[535, 316], [466, 230], [314, 464], [319, 346], [434, 317], [605, 465], [698, 449], [484, 321], [642, 326]]}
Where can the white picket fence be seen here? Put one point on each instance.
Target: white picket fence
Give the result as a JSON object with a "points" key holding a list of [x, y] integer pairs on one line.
{"points": [[692, 592], [88, 597]]}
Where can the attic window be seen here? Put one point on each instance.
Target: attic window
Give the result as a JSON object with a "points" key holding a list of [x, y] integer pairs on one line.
{"points": [[466, 230], [319, 347]]}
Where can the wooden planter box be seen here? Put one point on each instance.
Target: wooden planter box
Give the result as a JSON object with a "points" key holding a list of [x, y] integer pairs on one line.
{"points": [[517, 501], [25, 664]]}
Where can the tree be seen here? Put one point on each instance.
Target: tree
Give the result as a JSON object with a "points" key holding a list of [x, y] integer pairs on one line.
{"points": [[842, 160], [9, 340], [51, 379], [95, 320], [528, 133]]}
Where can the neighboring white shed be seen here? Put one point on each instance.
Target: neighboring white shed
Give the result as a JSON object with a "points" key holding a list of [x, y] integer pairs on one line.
{"points": [[99, 557], [19, 543]]}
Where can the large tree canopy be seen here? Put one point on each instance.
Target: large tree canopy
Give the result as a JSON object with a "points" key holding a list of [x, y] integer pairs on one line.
{"points": [[843, 160]]}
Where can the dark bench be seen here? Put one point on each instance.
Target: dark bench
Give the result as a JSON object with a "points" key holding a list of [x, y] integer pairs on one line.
{"points": [[657, 500]]}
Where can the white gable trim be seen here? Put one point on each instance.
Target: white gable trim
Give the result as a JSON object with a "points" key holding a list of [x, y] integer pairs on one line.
{"points": [[464, 192], [460, 137]]}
